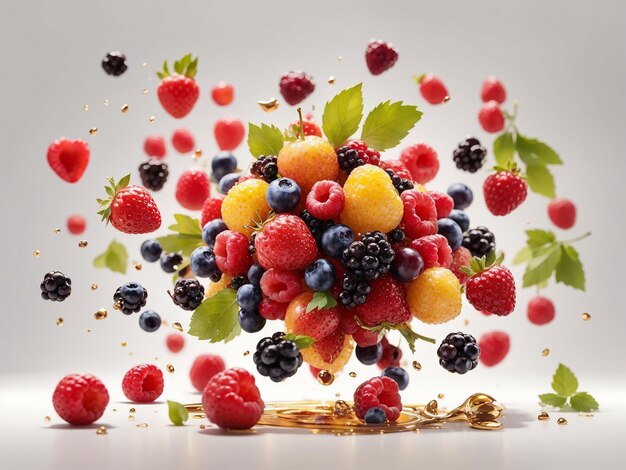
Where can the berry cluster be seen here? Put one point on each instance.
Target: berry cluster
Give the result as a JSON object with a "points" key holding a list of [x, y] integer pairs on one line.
{"points": [[479, 241], [266, 168], [316, 226], [277, 358]]}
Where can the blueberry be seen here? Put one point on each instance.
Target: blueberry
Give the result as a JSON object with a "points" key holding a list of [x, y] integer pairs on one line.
{"points": [[407, 264], [132, 292], [249, 297], [202, 262], [336, 239], [320, 275], [283, 195], [169, 262], [461, 218], [451, 230], [149, 321], [398, 374], [222, 164], [211, 230], [228, 181], [369, 355], [151, 250], [250, 321], [254, 274], [375, 415], [461, 194]]}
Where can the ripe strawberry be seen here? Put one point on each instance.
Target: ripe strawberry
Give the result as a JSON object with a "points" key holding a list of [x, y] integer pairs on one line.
{"points": [[130, 209], [562, 213], [493, 89], [317, 324], [491, 117], [68, 158], [285, 242], [494, 347], [504, 191], [223, 93], [385, 303], [183, 141], [432, 89], [154, 146], [380, 56], [229, 133], [490, 288], [540, 310], [178, 93], [330, 347], [193, 188]]}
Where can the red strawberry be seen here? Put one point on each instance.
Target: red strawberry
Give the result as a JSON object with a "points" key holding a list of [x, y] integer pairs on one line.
{"points": [[490, 288], [385, 303], [432, 89], [494, 347], [491, 117], [193, 188], [178, 93], [130, 209], [308, 128], [492, 89], [229, 133], [68, 158], [316, 323], [504, 191], [330, 346], [380, 56], [285, 242]]}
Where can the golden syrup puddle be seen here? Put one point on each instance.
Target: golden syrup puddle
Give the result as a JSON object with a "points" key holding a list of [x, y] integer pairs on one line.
{"points": [[479, 411]]}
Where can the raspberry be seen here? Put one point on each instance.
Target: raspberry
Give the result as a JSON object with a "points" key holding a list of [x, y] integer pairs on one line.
{"points": [[492, 289], [183, 141], [479, 241], [326, 200], [175, 342], [422, 162], [143, 383], [469, 155], [504, 191], [562, 213], [458, 353], [130, 297], [493, 89], [223, 93], [280, 285], [188, 294], [386, 303], [398, 167], [379, 392], [296, 86], [494, 347], [272, 310], [308, 128], [461, 257], [56, 286], [231, 253], [153, 174], [491, 117], [443, 203], [391, 356], [400, 184], [380, 56], [193, 188], [114, 63], [76, 224], [435, 296], [315, 225], [266, 168], [368, 155], [80, 399], [232, 400], [229, 133], [154, 146], [277, 358], [432, 89], [203, 368], [434, 250], [420, 214], [540, 310], [211, 209]]}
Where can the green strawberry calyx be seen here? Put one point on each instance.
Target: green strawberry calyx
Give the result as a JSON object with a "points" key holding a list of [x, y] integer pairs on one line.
{"points": [[509, 167], [187, 66], [403, 328], [478, 265], [111, 189]]}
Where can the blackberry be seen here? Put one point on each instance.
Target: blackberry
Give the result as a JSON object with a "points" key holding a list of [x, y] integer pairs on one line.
{"points": [[153, 174], [114, 63], [354, 291], [56, 286], [348, 159], [479, 241], [368, 258], [277, 358], [469, 155], [458, 353], [316, 226], [130, 297], [400, 184], [251, 247], [396, 235], [266, 168], [188, 294], [237, 281]]}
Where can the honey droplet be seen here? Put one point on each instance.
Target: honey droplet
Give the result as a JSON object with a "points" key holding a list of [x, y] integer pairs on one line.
{"points": [[101, 431], [337, 395], [331, 80], [197, 153], [124, 108], [106, 102], [36, 253], [545, 352], [143, 64], [341, 408], [85, 107], [198, 416], [57, 231], [352, 374], [144, 91], [466, 322], [585, 316], [177, 326], [142, 425], [417, 365], [441, 396], [88, 330], [268, 105], [561, 421], [138, 266], [446, 99], [60, 321], [543, 416], [325, 377], [164, 323], [100, 314], [83, 244], [93, 130], [132, 410], [115, 307], [123, 344], [339, 58], [94, 286], [246, 353], [131, 418], [152, 118], [46, 419], [202, 426], [156, 358], [170, 368]]}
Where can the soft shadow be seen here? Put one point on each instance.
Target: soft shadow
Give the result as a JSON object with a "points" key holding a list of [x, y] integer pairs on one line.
{"points": [[516, 419], [133, 403], [71, 427], [260, 431]]}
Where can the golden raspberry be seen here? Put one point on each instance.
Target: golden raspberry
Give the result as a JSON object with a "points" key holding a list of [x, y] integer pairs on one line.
{"points": [[435, 296], [245, 206]]}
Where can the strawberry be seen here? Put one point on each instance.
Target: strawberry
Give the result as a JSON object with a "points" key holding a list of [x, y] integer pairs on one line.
{"points": [[178, 93], [308, 128], [130, 209], [193, 188], [330, 346], [386, 303], [229, 133], [316, 323], [490, 288], [504, 191], [68, 158]]}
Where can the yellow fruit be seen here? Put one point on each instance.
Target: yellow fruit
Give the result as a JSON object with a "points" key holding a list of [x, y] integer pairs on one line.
{"points": [[308, 161], [311, 356], [372, 203], [435, 296], [214, 287], [245, 206], [420, 187]]}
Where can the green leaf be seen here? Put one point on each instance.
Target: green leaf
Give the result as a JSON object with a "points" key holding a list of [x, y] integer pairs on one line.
{"points": [[538, 237], [216, 317], [114, 258], [583, 402], [302, 341], [535, 152], [180, 243], [541, 266], [186, 225], [342, 115], [388, 123], [236, 331], [264, 140], [504, 149], [552, 399], [524, 255], [569, 270], [540, 180], [320, 301], [177, 412], [411, 336], [564, 382]]}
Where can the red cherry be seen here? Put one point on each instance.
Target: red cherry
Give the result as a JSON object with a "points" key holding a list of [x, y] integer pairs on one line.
{"points": [[76, 224]]}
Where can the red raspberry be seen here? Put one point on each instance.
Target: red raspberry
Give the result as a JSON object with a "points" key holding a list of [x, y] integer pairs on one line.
{"points": [[391, 356], [272, 310], [420, 214], [232, 400], [504, 191], [368, 155], [432, 89], [308, 128], [460, 257], [229, 133], [562, 213], [493, 90], [204, 367], [540, 310], [80, 399], [296, 86], [422, 162], [143, 383], [285, 242], [380, 56], [231, 253], [76, 224], [154, 146], [175, 342], [212, 209], [494, 347], [398, 167], [223, 93], [381, 392], [325, 200], [434, 250], [183, 141], [280, 285], [385, 303], [193, 188], [492, 290], [443, 202], [491, 117]]}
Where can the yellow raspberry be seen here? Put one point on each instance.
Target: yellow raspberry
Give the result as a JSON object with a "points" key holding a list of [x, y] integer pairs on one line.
{"points": [[372, 203], [435, 296], [245, 206], [214, 287]]}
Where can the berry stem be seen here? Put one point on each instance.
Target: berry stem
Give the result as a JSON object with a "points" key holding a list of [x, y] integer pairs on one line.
{"points": [[300, 125], [577, 238]]}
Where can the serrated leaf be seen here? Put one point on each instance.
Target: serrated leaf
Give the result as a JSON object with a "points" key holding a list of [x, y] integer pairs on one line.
{"points": [[388, 123], [178, 413], [535, 152], [552, 399], [216, 317], [115, 258], [564, 382], [537, 237], [569, 270], [342, 115], [264, 139], [583, 402], [523, 255], [236, 331], [542, 265], [180, 243], [186, 225], [540, 180], [504, 149], [302, 341], [320, 301]]}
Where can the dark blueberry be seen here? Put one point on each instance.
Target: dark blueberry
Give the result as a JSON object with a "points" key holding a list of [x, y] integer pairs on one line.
{"points": [[254, 274], [396, 235], [202, 262], [407, 264], [228, 181], [114, 63], [398, 374], [458, 353], [222, 164], [375, 415], [132, 292], [237, 281], [461, 218], [151, 250], [451, 230], [320, 275], [170, 262], [369, 355], [461, 194], [188, 294], [249, 297], [149, 321], [251, 321], [55, 286], [211, 230], [283, 195]]}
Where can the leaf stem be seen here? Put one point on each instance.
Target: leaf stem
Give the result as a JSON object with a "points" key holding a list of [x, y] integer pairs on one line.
{"points": [[577, 238]]}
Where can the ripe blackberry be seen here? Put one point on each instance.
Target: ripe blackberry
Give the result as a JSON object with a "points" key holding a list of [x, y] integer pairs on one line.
{"points": [[400, 184], [354, 291], [114, 63], [349, 159], [316, 226], [56, 286], [188, 294], [479, 241], [237, 281], [130, 297], [396, 235], [368, 258], [153, 174], [458, 353], [266, 168], [469, 155], [277, 358], [251, 247]]}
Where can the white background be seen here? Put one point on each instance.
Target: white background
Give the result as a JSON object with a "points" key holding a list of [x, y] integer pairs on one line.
{"points": [[563, 62]]}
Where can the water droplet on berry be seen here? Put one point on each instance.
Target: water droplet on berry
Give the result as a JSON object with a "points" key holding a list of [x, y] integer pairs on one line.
{"points": [[417, 365], [545, 352], [170, 368], [94, 286], [101, 431], [124, 108], [100, 314], [585, 316], [177, 326], [36, 253], [93, 130], [561, 421], [543, 416], [83, 244], [325, 377], [60, 321], [268, 105]]}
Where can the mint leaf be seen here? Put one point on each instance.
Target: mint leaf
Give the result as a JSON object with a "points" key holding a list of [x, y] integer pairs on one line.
{"points": [[264, 140], [564, 382], [540, 180], [535, 152], [542, 265], [177, 412], [583, 402], [302, 341], [186, 225], [552, 399], [114, 258], [388, 123], [320, 301], [538, 237], [504, 149], [524, 255], [569, 270], [342, 115], [216, 317]]}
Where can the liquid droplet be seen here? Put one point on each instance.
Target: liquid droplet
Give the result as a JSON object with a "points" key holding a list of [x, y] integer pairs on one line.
{"points": [[246, 353], [268, 105], [36, 253], [198, 416], [339, 58], [177, 326], [325, 377], [93, 130], [132, 410], [446, 99], [83, 244], [543, 416], [123, 344], [138, 266], [144, 91], [331, 80], [561, 421], [101, 431], [152, 118], [60, 321], [170, 368], [46, 419], [57, 231], [417, 365], [94, 286], [441, 396], [85, 107], [545, 352], [202, 426], [106, 102], [100, 314], [585, 316], [124, 108], [142, 425], [131, 418], [197, 153], [352, 374]]}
